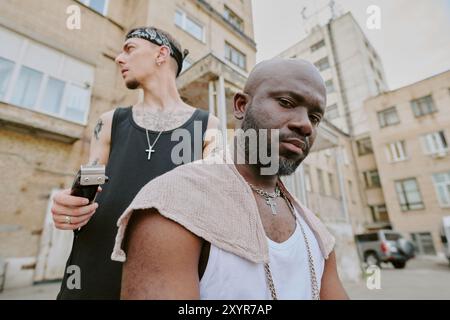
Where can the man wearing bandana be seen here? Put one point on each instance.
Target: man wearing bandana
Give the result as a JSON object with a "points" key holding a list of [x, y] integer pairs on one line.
{"points": [[135, 144]]}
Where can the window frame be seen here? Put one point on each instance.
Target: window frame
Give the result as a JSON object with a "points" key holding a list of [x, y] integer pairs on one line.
{"points": [[417, 106], [375, 212], [240, 21], [372, 179], [435, 143], [87, 3], [8, 78], [321, 181], [308, 181], [446, 187], [407, 205], [334, 108], [317, 45], [319, 64], [359, 144], [184, 17], [37, 106], [331, 183], [333, 88], [231, 47], [396, 151], [382, 117]]}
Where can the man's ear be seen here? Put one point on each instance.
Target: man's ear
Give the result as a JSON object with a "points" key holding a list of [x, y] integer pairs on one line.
{"points": [[163, 54], [240, 102]]}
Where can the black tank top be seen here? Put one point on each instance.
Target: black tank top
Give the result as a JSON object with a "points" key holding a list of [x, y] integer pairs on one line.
{"points": [[129, 170]]}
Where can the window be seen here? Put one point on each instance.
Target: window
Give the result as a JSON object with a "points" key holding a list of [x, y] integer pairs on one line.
{"points": [[322, 64], [396, 151], [42, 79], [235, 56], [27, 88], [329, 86], [308, 184], [434, 143], [409, 194], [317, 45], [442, 185], [77, 98], [186, 65], [392, 236], [350, 191], [423, 106], [53, 96], [388, 117], [179, 18], [364, 146], [101, 6], [189, 25], [6, 69], [234, 19], [321, 181], [372, 179], [332, 112], [379, 213], [423, 242], [367, 237], [331, 182]]}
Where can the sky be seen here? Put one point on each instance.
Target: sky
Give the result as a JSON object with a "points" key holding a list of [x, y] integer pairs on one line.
{"points": [[413, 41]]}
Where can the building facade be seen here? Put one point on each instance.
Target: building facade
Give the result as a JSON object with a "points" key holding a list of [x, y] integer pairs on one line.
{"points": [[56, 79], [410, 130], [353, 72]]}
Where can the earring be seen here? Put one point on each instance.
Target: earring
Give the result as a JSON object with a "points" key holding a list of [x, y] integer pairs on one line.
{"points": [[158, 63]]}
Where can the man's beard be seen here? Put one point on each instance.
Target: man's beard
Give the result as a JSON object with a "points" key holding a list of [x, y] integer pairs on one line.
{"points": [[286, 166], [132, 84]]}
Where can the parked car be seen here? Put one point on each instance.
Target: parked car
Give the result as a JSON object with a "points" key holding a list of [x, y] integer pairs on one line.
{"points": [[445, 236], [384, 246]]}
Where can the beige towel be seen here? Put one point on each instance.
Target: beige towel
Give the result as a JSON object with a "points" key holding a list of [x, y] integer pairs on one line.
{"points": [[214, 202]]}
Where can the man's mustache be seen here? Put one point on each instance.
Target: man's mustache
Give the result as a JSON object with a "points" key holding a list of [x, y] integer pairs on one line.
{"points": [[304, 139]]}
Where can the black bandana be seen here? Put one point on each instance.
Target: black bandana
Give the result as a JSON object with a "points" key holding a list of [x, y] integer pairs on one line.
{"points": [[159, 39]]}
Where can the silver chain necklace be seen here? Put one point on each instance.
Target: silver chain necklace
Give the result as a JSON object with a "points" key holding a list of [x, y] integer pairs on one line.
{"points": [[151, 146], [315, 292], [269, 197]]}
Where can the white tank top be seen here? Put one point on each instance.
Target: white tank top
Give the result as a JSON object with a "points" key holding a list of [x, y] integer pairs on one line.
{"points": [[229, 277]]}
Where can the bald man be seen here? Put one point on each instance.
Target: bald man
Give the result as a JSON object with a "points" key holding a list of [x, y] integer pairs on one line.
{"points": [[239, 234]]}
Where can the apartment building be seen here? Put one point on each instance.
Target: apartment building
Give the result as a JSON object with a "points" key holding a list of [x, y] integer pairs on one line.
{"points": [[410, 132]]}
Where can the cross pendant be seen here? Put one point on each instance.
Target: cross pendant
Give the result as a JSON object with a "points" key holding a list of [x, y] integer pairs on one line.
{"points": [[272, 204], [150, 151]]}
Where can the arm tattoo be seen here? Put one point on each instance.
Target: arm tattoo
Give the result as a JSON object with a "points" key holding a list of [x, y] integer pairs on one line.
{"points": [[98, 129]]}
